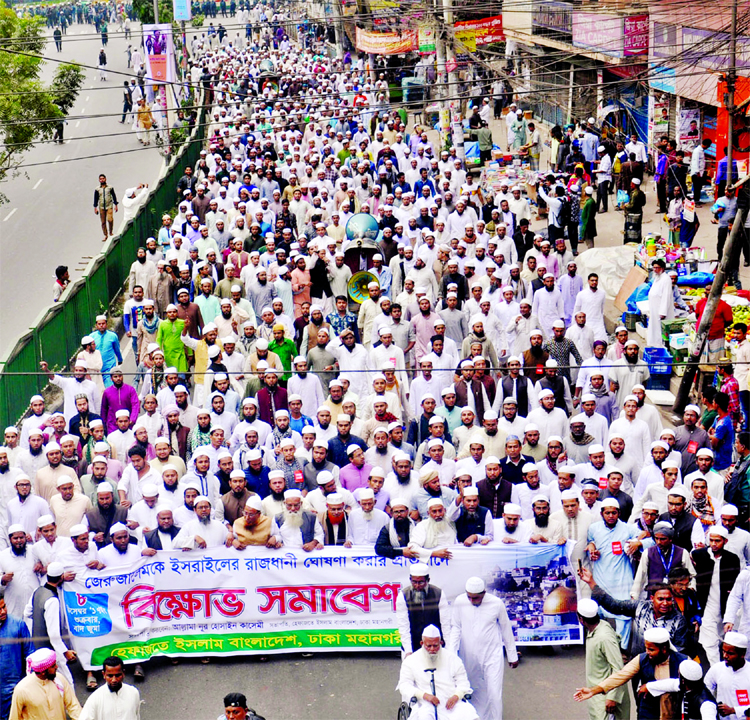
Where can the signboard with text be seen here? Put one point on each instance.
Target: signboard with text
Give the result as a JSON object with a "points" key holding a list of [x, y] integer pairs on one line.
{"points": [[226, 602], [612, 35]]}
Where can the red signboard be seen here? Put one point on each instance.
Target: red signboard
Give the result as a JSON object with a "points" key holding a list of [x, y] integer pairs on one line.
{"points": [[488, 30]]}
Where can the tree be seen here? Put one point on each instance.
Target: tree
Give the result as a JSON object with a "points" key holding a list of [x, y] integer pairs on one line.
{"points": [[144, 9], [29, 110]]}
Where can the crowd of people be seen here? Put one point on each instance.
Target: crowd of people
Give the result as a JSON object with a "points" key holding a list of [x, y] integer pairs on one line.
{"points": [[474, 398]]}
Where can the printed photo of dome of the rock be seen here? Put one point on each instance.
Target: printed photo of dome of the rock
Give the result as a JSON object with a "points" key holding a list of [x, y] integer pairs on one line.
{"points": [[541, 601]]}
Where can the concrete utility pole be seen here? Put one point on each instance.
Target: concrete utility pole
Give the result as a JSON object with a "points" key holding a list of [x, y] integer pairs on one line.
{"points": [[709, 311]]}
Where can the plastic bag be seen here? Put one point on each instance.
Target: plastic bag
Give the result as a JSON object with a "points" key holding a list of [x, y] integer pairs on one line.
{"points": [[622, 197]]}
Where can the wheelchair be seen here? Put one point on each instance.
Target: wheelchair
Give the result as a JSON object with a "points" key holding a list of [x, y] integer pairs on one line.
{"points": [[405, 708]]}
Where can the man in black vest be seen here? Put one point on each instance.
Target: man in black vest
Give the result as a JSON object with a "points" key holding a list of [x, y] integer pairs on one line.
{"points": [[417, 607], [679, 517], [473, 522], [516, 385], [713, 588], [335, 521], [394, 536], [642, 669], [494, 490], [553, 380], [161, 538], [104, 515], [47, 625]]}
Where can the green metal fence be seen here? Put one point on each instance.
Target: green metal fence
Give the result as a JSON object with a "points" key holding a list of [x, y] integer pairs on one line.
{"points": [[57, 331]]}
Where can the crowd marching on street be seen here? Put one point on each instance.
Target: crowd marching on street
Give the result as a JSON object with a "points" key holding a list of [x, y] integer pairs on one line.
{"points": [[474, 398]]}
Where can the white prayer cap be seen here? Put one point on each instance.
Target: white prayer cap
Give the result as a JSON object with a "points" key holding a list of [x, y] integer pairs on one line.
{"points": [[57, 569], [554, 438], [659, 444], [735, 639], [668, 431], [539, 498], [64, 480], [16, 527], [511, 509], [610, 502], [546, 393], [254, 454], [656, 635], [122, 413], [334, 499], [705, 452], [435, 502], [75, 531], [694, 409], [596, 448], [150, 490], [531, 427], [529, 467], [471, 491], [366, 494], [101, 447], [632, 342], [588, 397], [286, 442], [291, 494], [730, 510], [671, 464], [588, 608], [201, 451], [202, 498], [718, 530], [475, 585], [400, 456], [252, 502], [103, 488], [45, 520], [568, 494], [492, 460], [514, 358], [431, 632], [547, 275], [691, 670], [236, 474], [650, 506], [559, 324], [117, 527], [536, 332], [490, 415], [636, 182], [275, 474]]}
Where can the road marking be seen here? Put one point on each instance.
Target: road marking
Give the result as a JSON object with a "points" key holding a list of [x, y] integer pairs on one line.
{"points": [[56, 159], [91, 87], [83, 111], [10, 215], [87, 98], [38, 183], [77, 124]]}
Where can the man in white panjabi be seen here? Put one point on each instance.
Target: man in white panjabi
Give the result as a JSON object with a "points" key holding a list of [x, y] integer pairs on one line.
{"points": [[480, 630], [203, 532], [660, 303], [443, 698], [435, 531]]}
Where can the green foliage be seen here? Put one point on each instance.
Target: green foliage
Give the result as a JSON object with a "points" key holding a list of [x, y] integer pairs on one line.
{"points": [[29, 110], [198, 21], [144, 9]]}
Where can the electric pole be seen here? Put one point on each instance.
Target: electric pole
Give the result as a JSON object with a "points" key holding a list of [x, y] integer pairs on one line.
{"points": [[734, 237]]}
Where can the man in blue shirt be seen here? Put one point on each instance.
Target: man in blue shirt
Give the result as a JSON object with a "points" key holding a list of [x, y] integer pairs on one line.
{"points": [[108, 345], [721, 435], [721, 175], [609, 551]]}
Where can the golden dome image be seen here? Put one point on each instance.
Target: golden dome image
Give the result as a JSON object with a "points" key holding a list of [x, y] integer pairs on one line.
{"points": [[560, 601]]}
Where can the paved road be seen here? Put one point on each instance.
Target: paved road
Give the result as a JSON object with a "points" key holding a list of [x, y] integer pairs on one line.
{"points": [[344, 685], [62, 188]]}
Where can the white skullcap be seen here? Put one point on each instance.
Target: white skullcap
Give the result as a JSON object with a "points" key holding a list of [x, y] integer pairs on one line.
{"points": [[334, 499], [650, 506], [705, 452], [588, 608], [202, 498], [75, 531], [117, 527], [691, 670], [435, 502], [539, 498], [253, 502], [511, 509], [431, 632], [588, 397], [656, 635], [290, 494], [529, 467], [16, 527], [57, 569], [735, 639], [694, 409], [64, 480], [45, 520], [718, 530], [671, 464], [596, 448], [104, 488], [419, 569], [275, 474], [366, 494], [546, 393], [568, 494], [730, 510], [559, 324], [475, 585], [471, 491], [122, 413], [490, 415], [150, 490], [610, 502]]}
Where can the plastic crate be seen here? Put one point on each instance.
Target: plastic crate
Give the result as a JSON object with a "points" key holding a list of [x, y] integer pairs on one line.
{"points": [[659, 382], [670, 327], [659, 360]]}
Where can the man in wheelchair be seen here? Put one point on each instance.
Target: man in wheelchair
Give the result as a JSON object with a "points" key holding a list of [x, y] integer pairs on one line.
{"points": [[436, 680]]}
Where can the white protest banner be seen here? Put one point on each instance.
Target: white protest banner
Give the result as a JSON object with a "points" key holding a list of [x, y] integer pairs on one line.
{"points": [[226, 602]]}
